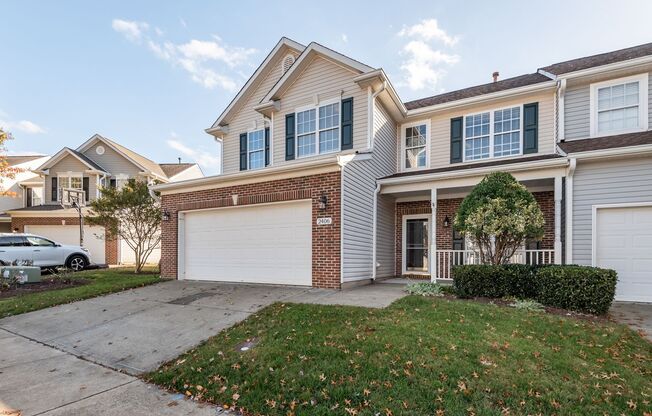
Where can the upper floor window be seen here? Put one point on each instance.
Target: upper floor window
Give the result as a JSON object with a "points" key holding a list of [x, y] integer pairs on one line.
{"points": [[256, 149], [415, 145], [71, 181], [493, 134], [619, 106], [318, 130]]}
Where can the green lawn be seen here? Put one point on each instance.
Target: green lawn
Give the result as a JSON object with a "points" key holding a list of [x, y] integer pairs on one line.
{"points": [[101, 282], [420, 356]]}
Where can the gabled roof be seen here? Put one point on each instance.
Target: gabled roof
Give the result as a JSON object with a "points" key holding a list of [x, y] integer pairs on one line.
{"points": [[502, 85], [599, 60], [140, 161], [14, 160], [284, 42], [607, 142], [313, 49], [78, 155], [173, 169]]}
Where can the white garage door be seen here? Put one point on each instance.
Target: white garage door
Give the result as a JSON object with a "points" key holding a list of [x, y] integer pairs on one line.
{"points": [[69, 234], [128, 256], [256, 244], [624, 243]]}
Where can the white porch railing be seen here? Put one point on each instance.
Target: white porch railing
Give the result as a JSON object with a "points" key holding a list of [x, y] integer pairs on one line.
{"points": [[446, 259]]}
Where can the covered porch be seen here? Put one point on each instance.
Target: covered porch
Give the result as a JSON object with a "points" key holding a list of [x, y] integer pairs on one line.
{"points": [[427, 246]]}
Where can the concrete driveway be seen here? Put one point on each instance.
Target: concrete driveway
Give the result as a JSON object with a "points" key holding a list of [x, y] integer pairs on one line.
{"points": [[61, 360], [637, 315]]}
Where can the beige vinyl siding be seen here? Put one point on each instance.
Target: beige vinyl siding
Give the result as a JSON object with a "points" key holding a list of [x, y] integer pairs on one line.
{"points": [[65, 165], [112, 161], [326, 80], [358, 188], [247, 117], [577, 104], [605, 182], [440, 125]]}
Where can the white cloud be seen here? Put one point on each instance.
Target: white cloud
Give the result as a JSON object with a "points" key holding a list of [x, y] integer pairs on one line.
{"points": [[209, 161], [198, 58], [182, 22], [345, 38], [423, 64], [130, 29], [23, 126], [428, 29]]}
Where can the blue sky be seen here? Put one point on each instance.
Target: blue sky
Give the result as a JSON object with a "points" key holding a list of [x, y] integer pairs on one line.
{"points": [[153, 74]]}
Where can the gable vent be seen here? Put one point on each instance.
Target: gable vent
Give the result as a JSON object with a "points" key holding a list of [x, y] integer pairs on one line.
{"points": [[287, 63]]}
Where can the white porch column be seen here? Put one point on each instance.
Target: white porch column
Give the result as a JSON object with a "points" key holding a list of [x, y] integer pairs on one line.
{"points": [[558, 249], [432, 258]]}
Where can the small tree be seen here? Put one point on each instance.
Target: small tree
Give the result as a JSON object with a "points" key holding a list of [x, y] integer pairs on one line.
{"points": [[498, 216], [132, 214], [6, 171]]}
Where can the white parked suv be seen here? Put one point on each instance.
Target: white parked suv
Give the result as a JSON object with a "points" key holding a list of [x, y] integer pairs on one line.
{"points": [[42, 252]]}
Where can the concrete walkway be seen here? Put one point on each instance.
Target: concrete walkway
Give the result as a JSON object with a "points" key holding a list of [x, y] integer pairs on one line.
{"points": [[62, 360], [637, 315]]}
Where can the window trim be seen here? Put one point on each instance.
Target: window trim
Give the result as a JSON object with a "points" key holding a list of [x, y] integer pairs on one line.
{"points": [[249, 152], [317, 129], [642, 104], [42, 197], [492, 112], [70, 175], [404, 127]]}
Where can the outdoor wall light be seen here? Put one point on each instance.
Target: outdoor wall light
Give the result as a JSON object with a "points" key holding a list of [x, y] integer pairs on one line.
{"points": [[166, 215], [323, 201], [447, 222]]}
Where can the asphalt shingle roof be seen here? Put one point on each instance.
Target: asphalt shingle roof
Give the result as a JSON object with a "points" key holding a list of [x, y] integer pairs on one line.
{"points": [[599, 59], [607, 142]]}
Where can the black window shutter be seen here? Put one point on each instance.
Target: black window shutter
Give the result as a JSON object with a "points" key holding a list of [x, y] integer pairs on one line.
{"points": [[55, 190], [289, 136], [243, 151], [266, 146], [86, 187], [456, 140], [347, 123], [29, 197], [113, 183], [531, 128]]}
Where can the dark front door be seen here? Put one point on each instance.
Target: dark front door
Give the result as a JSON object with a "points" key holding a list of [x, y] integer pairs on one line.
{"points": [[416, 245]]}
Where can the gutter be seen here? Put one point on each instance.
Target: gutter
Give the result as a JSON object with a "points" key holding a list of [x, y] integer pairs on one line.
{"points": [[516, 167], [222, 178], [618, 151]]}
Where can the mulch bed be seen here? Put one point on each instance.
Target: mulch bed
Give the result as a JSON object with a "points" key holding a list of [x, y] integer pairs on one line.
{"points": [[548, 309], [44, 285]]}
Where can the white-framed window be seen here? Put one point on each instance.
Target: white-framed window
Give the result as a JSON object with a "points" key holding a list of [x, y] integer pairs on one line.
{"points": [[495, 133], [256, 149], [415, 144], [619, 105], [318, 129], [121, 180], [37, 196], [70, 180]]}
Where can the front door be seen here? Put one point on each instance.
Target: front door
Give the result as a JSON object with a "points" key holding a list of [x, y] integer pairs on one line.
{"points": [[416, 245]]}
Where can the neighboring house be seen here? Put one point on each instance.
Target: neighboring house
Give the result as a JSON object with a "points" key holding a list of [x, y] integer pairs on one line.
{"points": [[330, 180], [97, 163], [24, 189]]}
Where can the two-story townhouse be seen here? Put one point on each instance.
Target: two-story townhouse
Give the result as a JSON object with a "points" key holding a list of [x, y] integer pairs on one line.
{"points": [[82, 173], [24, 189], [330, 180], [605, 113]]}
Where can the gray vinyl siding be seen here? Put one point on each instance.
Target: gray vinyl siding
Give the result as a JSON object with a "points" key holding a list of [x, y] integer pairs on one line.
{"points": [[577, 112], [605, 182], [577, 109], [68, 164], [358, 188], [112, 161]]}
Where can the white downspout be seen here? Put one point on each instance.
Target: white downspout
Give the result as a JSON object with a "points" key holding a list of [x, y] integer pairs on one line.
{"points": [[370, 111], [374, 222], [561, 120], [569, 210]]}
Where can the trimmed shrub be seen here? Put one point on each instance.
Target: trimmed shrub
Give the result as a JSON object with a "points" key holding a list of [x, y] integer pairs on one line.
{"points": [[578, 288], [494, 281]]}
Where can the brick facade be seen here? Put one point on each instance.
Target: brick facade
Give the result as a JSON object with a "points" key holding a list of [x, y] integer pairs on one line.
{"points": [[325, 238], [110, 246], [448, 208]]}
